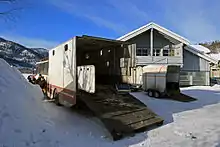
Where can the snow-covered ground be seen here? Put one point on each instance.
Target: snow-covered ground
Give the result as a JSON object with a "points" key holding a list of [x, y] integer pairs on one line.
{"points": [[186, 124], [26, 75], [25, 120]]}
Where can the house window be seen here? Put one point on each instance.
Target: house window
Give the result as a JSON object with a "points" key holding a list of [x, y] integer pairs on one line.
{"points": [[172, 52], [138, 52], [156, 52], [166, 52], [142, 52]]}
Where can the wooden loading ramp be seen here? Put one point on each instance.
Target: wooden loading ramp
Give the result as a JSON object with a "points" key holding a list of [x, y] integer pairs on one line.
{"points": [[122, 115]]}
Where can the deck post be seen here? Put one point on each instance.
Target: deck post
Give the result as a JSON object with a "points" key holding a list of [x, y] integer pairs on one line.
{"points": [[151, 41]]}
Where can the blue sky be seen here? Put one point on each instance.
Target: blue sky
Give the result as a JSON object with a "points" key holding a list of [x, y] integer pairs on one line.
{"points": [[46, 23]]}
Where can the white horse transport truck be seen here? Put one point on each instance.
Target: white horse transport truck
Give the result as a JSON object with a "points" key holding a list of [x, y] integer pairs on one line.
{"points": [[83, 63], [85, 70]]}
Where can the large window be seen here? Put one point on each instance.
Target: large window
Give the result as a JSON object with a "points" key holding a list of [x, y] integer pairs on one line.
{"points": [[156, 52], [143, 52], [166, 52], [188, 78]]}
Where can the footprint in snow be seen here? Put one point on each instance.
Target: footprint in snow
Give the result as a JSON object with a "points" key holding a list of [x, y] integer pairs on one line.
{"points": [[17, 131], [190, 135]]}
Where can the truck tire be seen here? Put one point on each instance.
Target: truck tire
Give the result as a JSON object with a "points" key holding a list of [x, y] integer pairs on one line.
{"points": [[56, 98], [157, 94], [150, 93]]}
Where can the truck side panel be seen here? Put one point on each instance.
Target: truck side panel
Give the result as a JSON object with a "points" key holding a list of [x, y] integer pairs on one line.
{"points": [[156, 81], [62, 71], [55, 72], [69, 70], [160, 82], [149, 81]]}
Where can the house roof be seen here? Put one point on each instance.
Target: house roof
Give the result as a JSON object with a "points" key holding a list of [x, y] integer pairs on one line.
{"points": [[201, 48], [195, 49], [203, 55], [144, 28]]}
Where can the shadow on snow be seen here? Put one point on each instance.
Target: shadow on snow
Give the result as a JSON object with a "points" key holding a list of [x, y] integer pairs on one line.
{"points": [[166, 108]]}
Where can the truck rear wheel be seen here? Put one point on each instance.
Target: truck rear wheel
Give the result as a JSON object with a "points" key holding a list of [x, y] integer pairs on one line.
{"points": [[56, 98], [150, 93], [156, 94]]}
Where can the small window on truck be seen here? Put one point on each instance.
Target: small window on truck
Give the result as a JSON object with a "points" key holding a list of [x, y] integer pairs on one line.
{"points": [[53, 52], [87, 56], [66, 47], [107, 63]]}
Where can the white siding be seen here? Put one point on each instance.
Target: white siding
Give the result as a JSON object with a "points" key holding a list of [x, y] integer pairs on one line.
{"points": [[193, 62], [55, 72], [195, 71], [70, 66], [62, 66]]}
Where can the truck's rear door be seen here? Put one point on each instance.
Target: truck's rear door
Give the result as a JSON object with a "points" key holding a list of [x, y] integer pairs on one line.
{"points": [[86, 78]]}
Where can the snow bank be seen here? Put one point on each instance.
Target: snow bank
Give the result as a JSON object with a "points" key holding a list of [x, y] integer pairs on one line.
{"points": [[26, 75], [25, 120], [215, 56], [16, 115]]}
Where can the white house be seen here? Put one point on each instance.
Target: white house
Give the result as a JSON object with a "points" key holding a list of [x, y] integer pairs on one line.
{"points": [[158, 45]]}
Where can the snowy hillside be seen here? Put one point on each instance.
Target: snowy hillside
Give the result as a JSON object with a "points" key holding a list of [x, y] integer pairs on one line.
{"points": [[19, 55], [41, 51]]}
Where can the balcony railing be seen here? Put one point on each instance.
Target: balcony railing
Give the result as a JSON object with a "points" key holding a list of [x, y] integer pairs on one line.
{"points": [[164, 55], [156, 51]]}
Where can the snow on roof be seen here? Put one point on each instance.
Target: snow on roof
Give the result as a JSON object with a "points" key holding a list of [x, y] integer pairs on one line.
{"points": [[201, 48], [154, 26], [216, 56]]}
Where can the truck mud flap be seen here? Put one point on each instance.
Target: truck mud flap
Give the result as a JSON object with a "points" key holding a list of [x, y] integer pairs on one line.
{"points": [[122, 115]]}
